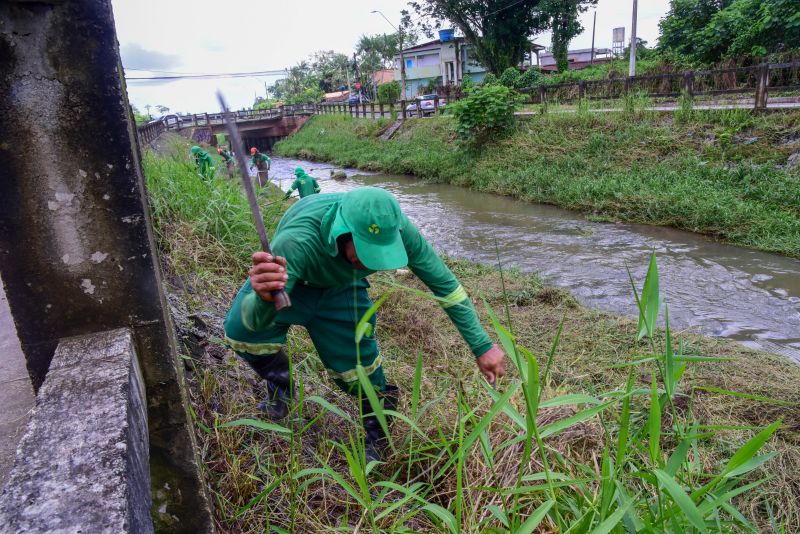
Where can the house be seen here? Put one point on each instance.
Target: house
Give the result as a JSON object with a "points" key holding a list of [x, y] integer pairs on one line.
{"points": [[578, 59], [446, 60], [382, 76]]}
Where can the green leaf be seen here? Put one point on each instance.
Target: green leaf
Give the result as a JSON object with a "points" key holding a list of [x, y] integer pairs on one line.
{"points": [[258, 424], [364, 327], [328, 406], [654, 423], [535, 518], [749, 449], [606, 526], [446, 517], [680, 498], [561, 424]]}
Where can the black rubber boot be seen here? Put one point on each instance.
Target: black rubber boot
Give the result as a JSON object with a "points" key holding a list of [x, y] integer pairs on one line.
{"points": [[274, 369], [375, 440]]}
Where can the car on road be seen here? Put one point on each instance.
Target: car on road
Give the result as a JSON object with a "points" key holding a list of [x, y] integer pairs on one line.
{"points": [[358, 99], [426, 105]]}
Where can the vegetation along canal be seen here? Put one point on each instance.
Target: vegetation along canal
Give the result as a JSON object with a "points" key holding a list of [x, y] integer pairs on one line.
{"points": [[722, 290]]}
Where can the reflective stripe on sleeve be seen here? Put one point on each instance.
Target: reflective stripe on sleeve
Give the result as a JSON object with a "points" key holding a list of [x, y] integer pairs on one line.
{"points": [[454, 298]]}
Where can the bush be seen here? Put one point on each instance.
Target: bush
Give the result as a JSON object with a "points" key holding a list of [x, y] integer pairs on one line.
{"points": [[530, 78], [490, 79], [389, 92], [467, 85], [510, 78], [485, 113]]}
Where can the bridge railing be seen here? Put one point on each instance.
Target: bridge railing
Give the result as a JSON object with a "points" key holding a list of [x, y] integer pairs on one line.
{"points": [[150, 131]]}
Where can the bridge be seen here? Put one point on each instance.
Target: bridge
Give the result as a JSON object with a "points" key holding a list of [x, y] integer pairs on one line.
{"points": [[259, 127]]}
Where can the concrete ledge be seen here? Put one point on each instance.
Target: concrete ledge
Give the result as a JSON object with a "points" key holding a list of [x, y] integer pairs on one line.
{"points": [[83, 463]]}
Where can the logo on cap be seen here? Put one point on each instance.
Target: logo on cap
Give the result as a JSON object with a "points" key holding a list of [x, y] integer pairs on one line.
{"points": [[374, 229]]}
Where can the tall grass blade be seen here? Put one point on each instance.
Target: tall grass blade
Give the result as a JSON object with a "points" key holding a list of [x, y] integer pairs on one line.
{"points": [[375, 403], [535, 518], [654, 423], [682, 499], [258, 424]]}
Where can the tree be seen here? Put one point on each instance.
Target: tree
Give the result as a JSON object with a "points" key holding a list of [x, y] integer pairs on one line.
{"points": [[163, 110], [147, 109], [498, 30], [707, 31], [565, 26]]}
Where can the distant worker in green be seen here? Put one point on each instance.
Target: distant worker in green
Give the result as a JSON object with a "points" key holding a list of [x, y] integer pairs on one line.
{"points": [[227, 158], [325, 247], [306, 185], [261, 162], [203, 161]]}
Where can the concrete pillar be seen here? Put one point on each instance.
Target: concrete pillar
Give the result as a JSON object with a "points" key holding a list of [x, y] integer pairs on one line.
{"points": [[77, 254]]}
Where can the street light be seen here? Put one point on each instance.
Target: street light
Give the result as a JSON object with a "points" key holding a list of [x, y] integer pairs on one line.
{"points": [[402, 58]]}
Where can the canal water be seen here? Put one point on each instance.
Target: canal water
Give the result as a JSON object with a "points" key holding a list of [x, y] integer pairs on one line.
{"points": [[719, 290]]}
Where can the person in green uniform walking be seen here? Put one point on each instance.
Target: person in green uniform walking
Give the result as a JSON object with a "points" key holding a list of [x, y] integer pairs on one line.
{"points": [[227, 158], [262, 162], [305, 184], [203, 162], [325, 247]]}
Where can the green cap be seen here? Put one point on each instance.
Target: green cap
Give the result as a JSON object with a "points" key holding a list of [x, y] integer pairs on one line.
{"points": [[299, 172], [196, 149], [373, 217]]}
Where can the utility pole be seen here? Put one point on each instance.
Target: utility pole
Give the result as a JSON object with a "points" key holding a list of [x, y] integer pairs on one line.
{"points": [[632, 66], [594, 25], [401, 46]]}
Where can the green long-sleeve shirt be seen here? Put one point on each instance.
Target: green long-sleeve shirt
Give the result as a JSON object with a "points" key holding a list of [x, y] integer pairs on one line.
{"points": [[304, 237], [306, 185], [261, 161], [204, 162]]}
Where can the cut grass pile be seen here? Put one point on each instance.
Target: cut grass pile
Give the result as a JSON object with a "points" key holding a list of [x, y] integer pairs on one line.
{"points": [[721, 173], [620, 440]]}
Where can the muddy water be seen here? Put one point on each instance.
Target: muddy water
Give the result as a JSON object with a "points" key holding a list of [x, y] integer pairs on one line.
{"points": [[720, 290]]}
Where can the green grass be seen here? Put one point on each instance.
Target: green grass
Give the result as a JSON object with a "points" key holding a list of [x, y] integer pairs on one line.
{"points": [[718, 172], [601, 421]]}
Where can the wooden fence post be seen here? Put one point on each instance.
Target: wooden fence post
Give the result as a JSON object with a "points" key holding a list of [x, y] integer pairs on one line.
{"points": [[372, 109], [436, 105], [207, 121], [543, 98], [627, 87], [582, 89], [403, 107], [688, 83], [762, 87], [364, 110], [380, 108]]}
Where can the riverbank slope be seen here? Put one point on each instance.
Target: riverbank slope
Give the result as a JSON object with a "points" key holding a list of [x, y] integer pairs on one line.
{"points": [[728, 174], [283, 477]]}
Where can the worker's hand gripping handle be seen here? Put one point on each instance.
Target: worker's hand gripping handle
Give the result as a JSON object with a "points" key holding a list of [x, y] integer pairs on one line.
{"points": [[280, 297]]}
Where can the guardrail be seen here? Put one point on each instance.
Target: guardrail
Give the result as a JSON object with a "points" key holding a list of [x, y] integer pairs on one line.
{"points": [[759, 80], [403, 108]]}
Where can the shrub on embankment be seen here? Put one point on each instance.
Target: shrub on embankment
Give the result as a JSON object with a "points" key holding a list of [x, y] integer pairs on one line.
{"points": [[721, 173], [469, 462]]}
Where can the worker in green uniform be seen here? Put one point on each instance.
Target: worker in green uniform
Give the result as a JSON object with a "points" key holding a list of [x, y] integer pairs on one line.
{"points": [[305, 184], [227, 158], [203, 162], [262, 162], [325, 247]]}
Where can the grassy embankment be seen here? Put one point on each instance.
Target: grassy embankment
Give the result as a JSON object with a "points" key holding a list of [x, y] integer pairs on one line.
{"points": [[468, 462], [715, 173]]}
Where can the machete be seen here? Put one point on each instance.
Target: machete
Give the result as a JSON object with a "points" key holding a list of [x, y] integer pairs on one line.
{"points": [[280, 297]]}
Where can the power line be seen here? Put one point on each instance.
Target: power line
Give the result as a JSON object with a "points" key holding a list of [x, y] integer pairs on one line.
{"points": [[209, 76]]}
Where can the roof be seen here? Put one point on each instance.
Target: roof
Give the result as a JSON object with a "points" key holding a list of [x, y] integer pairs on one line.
{"points": [[581, 51], [383, 76], [435, 44]]}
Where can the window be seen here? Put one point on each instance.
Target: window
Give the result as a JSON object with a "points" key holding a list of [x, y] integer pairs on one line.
{"points": [[409, 63]]}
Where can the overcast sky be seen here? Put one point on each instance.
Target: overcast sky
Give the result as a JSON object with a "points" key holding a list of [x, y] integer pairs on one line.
{"points": [[203, 36]]}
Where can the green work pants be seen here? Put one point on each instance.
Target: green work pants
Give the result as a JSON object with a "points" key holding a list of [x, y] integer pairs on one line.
{"points": [[330, 316]]}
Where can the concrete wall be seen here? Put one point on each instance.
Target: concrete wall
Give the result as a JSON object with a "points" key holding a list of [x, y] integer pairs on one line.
{"points": [[77, 254], [82, 465]]}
